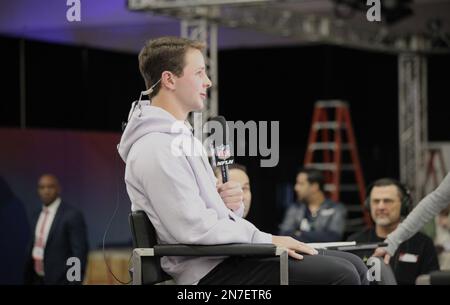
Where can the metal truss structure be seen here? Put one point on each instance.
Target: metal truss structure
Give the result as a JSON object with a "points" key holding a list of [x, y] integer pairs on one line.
{"points": [[280, 17], [413, 135]]}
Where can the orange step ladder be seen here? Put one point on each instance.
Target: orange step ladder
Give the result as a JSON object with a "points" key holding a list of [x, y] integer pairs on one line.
{"points": [[333, 118]]}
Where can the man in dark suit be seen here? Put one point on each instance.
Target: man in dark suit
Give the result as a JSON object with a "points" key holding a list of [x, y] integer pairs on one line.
{"points": [[58, 251]]}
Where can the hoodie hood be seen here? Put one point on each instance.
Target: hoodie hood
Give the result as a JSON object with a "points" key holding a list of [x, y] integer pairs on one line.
{"points": [[145, 119]]}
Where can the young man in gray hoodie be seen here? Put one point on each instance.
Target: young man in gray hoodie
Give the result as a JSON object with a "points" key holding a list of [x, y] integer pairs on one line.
{"points": [[168, 176]]}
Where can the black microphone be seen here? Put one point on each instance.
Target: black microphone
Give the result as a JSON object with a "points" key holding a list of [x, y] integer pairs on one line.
{"points": [[222, 151]]}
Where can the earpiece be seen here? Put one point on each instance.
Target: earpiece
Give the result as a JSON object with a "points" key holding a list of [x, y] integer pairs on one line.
{"points": [[150, 90], [147, 92], [136, 103]]}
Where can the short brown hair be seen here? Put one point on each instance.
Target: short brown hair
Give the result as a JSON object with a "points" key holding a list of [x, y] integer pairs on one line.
{"points": [[164, 54], [314, 176]]}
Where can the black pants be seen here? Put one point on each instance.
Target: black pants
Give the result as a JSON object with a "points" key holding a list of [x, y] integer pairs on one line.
{"points": [[327, 268]]}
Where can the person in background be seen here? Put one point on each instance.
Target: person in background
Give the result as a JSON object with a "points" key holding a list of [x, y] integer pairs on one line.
{"points": [[314, 218], [388, 202], [59, 233], [426, 209]]}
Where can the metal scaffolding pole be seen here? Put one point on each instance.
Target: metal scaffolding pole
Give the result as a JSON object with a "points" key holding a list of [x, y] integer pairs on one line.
{"points": [[413, 135]]}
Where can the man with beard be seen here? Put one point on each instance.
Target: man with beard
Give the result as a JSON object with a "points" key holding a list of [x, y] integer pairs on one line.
{"points": [[314, 218], [389, 201]]}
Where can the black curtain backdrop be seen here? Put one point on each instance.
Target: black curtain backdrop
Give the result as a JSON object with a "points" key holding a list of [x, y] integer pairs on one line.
{"points": [[69, 87]]}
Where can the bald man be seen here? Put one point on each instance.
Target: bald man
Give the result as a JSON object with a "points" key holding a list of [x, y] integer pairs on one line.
{"points": [[58, 251]]}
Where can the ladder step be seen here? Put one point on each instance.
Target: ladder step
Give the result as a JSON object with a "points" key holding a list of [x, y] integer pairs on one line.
{"points": [[331, 104], [343, 187], [329, 187], [349, 188], [328, 146], [354, 222], [328, 125], [352, 208], [330, 166]]}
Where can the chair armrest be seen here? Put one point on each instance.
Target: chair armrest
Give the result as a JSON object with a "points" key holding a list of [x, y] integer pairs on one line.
{"points": [[255, 250], [216, 250], [438, 277], [360, 247]]}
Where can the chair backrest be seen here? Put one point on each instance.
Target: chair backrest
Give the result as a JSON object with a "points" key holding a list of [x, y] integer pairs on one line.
{"points": [[144, 236]]}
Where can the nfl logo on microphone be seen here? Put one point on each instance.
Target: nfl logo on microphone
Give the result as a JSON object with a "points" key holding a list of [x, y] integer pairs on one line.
{"points": [[223, 154]]}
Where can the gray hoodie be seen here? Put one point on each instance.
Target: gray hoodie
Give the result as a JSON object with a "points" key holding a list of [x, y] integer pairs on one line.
{"points": [[168, 176]]}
